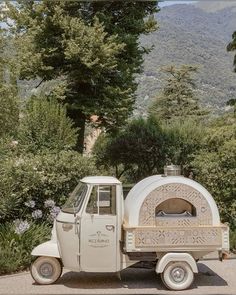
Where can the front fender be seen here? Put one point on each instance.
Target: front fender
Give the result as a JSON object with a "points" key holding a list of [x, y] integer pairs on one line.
{"points": [[49, 248]]}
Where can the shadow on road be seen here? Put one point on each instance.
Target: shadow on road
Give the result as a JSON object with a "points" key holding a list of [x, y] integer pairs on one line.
{"points": [[207, 277], [134, 278], [130, 278]]}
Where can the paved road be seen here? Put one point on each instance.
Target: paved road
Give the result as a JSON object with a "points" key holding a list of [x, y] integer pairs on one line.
{"points": [[214, 277]]}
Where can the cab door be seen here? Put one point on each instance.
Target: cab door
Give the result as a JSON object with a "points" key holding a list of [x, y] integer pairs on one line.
{"points": [[98, 239], [67, 227]]}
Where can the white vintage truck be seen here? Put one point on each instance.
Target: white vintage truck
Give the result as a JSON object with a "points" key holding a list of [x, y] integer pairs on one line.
{"points": [[172, 220]]}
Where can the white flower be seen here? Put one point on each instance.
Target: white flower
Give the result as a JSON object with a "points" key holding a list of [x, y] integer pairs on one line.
{"points": [[19, 161], [36, 214], [49, 203], [30, 204], [54, 211], [21, 226], [14, 143]]}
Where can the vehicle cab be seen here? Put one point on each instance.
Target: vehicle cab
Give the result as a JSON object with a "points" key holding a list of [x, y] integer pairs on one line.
{"points": [[89, 224]]}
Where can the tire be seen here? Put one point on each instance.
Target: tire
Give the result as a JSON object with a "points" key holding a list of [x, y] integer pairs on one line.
{"points": [[46, 270], [177, 275], [162, 278]]}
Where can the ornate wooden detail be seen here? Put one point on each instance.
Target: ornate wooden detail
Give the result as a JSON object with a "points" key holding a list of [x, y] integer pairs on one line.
{"points": [[178, 237], [147, 214]]}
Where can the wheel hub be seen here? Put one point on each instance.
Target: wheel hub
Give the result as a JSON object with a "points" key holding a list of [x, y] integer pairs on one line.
{"points": [[46, 270], [178, 274]]}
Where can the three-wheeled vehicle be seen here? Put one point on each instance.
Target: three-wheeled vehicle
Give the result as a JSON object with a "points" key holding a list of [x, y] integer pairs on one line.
{"points": [[172, 220]]}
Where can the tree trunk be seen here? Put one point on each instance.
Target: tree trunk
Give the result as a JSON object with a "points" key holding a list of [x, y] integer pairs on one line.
{"points": [[79, 120]]}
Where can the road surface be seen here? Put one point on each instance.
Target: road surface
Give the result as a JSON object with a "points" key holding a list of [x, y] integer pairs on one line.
{"points": [[214, 277]]}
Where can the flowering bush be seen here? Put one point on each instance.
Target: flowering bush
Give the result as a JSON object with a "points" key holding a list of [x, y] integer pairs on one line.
{"points": [[38, 170], [34, 187], [17, 240], [21, 226]]}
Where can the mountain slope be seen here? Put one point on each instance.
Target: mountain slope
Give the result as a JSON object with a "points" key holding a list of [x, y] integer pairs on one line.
{"points": [[213, 6], [191, 35]]}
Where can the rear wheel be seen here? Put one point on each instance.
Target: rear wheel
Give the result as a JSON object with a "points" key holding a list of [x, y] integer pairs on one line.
{"points": [[177, 275], [46, 270]]}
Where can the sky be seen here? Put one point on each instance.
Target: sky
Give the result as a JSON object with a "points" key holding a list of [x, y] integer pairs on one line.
{"points": [[168, 3]]}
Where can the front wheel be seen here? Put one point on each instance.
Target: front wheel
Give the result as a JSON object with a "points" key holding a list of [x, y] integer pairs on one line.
{"points": [[177, 275], [46, 270]]}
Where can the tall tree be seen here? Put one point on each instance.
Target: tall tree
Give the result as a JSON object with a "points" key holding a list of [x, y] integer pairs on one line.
{"points": [[92, 46], [232, 46], [1, 55], [232, 102], [177, 100], [140, 150], [9, 111]]}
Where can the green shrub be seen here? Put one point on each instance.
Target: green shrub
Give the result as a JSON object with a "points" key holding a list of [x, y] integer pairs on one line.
{"points": [[9, 111], [28, 181], [8, 147], [215, 167], [15, 248], [45, 125], [232, 236], [136, 152], [185, 139], [145, 146]]}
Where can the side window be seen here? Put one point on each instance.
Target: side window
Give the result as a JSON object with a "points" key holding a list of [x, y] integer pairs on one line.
{"points": [[107, 199], [102, 200], [92, 207]]}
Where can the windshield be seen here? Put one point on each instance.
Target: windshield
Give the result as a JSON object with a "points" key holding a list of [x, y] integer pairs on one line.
{"points": [[75, 201]]}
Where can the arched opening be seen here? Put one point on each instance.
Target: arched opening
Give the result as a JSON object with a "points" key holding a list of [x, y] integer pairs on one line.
{"points": [[175, 207]]}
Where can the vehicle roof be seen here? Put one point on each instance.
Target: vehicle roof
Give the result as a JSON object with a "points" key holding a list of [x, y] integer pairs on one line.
{"points": [[101, 180]]}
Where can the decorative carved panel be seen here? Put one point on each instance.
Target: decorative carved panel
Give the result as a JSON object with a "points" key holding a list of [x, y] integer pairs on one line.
{"points": [[178, 237], [147, 214]]}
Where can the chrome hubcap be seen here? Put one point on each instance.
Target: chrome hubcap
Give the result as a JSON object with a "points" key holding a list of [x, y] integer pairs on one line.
{"points": [[46, 270], [178, 274]]}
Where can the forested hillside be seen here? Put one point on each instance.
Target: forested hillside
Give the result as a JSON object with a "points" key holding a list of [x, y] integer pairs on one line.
{"points": [[198, 35]]}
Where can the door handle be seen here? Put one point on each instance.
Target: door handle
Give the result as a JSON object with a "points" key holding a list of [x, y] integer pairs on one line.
{"points": [[110, 227]]}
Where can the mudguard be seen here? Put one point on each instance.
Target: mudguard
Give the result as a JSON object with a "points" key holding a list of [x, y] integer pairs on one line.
{"points": [[49, 248], [171, 257]]}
